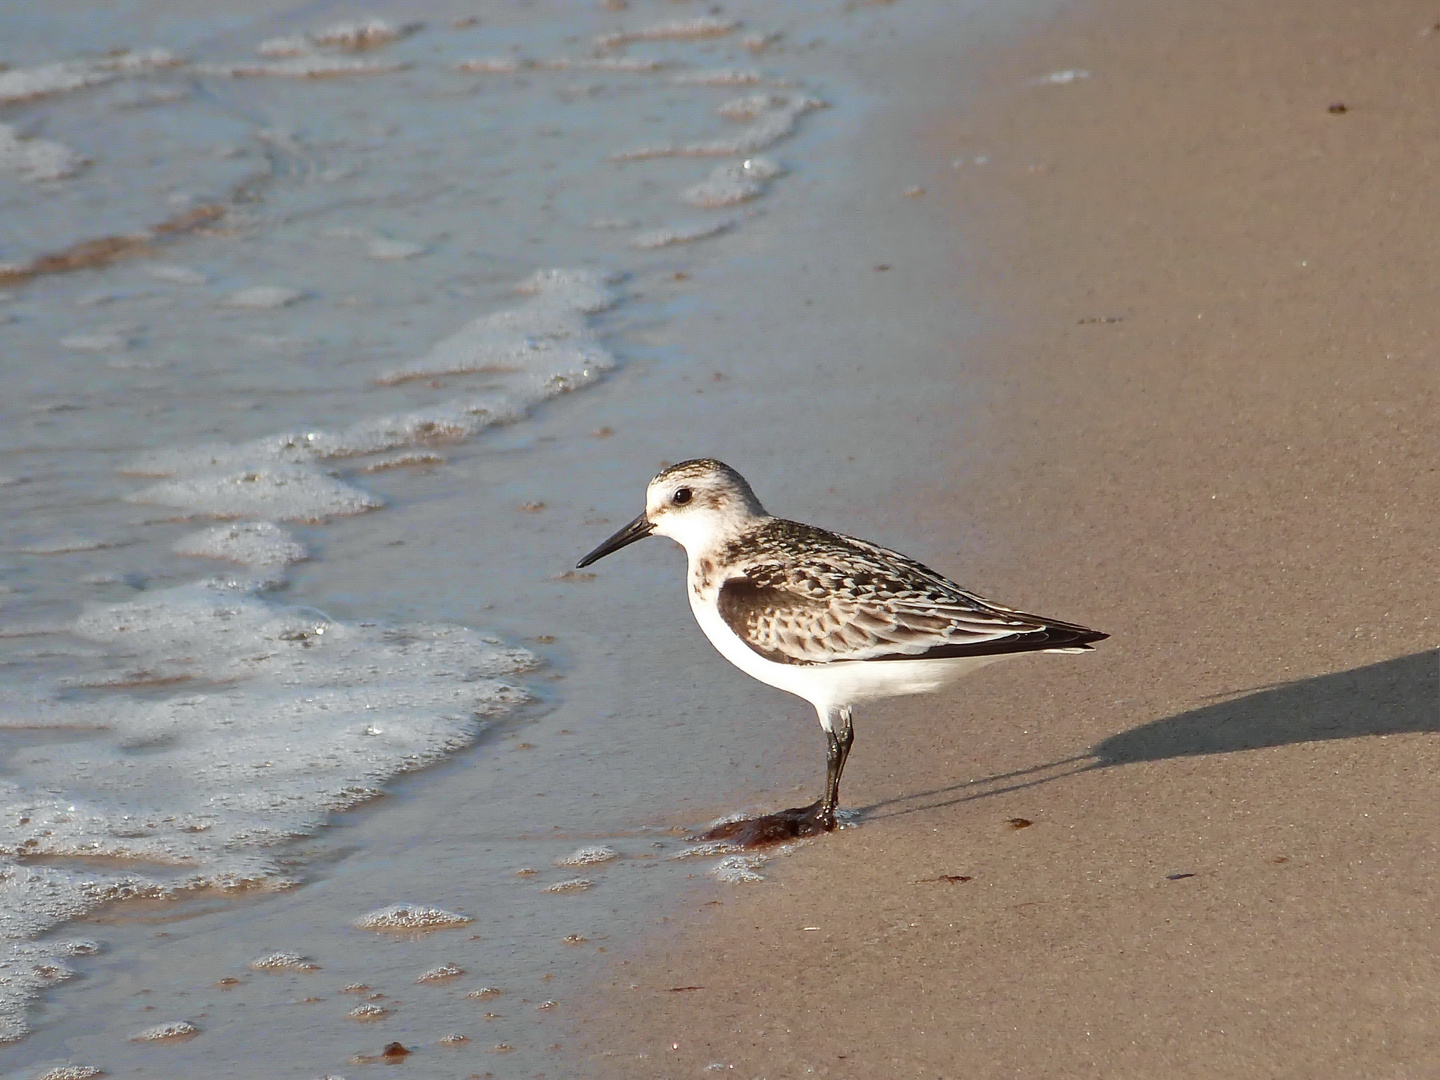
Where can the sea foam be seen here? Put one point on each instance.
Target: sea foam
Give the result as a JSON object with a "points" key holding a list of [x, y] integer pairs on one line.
{"points": [[275, 717]]}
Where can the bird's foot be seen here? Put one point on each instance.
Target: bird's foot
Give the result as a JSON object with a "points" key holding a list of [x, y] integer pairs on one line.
{"points": [[776, 828]]}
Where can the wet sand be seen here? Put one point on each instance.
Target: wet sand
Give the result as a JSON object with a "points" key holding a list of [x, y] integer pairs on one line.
{"points": [[1205, 275]]}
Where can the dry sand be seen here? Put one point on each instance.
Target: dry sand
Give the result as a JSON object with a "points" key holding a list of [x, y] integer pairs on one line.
{"points": [[1216, 435]]}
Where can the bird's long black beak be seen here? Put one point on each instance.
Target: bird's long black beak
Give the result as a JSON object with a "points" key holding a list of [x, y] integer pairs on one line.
{"points": [[636, 530]]}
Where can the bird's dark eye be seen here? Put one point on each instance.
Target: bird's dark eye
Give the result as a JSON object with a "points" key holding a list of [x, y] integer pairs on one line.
{"points": [[681, 496]]}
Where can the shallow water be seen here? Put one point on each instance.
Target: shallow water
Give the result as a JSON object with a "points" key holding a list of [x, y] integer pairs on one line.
{"points": [[290, 496]]}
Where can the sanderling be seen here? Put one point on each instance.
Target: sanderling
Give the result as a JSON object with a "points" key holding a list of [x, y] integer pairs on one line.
{"points": [[829, 618]]}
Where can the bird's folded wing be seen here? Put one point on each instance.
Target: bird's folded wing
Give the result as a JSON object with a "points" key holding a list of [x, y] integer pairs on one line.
{"points": [[795, 617]]}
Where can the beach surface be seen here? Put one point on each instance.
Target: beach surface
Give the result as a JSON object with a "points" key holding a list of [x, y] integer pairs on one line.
{"points": [[1201, 416]]}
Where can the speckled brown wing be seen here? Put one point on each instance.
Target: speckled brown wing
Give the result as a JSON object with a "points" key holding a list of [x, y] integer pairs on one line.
{"points": [[807, 596]]}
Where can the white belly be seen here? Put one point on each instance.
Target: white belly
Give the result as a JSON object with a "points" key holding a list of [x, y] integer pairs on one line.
{"points": [[834, 685]]}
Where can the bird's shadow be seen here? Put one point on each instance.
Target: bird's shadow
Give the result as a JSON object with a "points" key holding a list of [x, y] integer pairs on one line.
{"points": [[1393, 697]]}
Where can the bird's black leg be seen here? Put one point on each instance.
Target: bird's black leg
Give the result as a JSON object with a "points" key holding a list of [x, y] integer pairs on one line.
{"points": [[798, 821], [838, 751]]}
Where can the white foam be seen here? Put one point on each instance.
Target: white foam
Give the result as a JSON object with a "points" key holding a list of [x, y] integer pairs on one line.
{"points": [[388, 250], [739, 869], [304, 66], [28, 969], [263, 297], [587, 291], [543, 347], [290, 717], [705, 26], [440, 973], [96, 342], [67, 543], [286, 45], [402, 459], [287, 492], [750, 106], [281, 476], [720, 77], [1064, 78], [70, 1072], [410, 917], [492, 65], [23, 84], [768, 129], [624, 64], [730, 184], [253, 543], [570, 885], [682, 234], [283, 961], [357, 34], [175, 275], [587, 856], [36, 159], [175, 1029]]}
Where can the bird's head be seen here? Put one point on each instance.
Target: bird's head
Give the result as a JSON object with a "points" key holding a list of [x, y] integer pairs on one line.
{"points": [[695, 503]]}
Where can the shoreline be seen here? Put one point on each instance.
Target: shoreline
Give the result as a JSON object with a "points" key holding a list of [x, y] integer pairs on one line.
{"points": [[1210, 413]]}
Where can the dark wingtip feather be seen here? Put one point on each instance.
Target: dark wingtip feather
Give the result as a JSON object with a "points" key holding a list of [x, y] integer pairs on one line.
{"points": [[1047, 637]]}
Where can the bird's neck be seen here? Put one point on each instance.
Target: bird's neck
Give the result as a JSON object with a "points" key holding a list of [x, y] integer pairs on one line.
{"points": [[709, 550]]}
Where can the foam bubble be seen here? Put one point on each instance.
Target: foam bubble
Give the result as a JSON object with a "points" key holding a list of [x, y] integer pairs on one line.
{"points": [[305, 66], [492, 65], [540, 349], [768, 129], [393, 250], [626, 64], [739, 869], [750, 106], [283, 961], [705, 26], [23, 84], [410, 917], [37, 159], [358, 34], [440, 973], [70, 1072], [587, 291], [1063, 78], [586, 856], [287, 45], [730, 184], [720, 77], [97, 342], [253, 543], [66, 544], [544, 346], [403, 459], [175, 275], [297, 716], [288, 492], [681, 234], [368, 1013], [175, 1029], [263, 297], [570, 885]]}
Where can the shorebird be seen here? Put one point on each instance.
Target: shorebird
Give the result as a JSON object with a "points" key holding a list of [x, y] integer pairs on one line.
{"points": [[835, 620]]}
